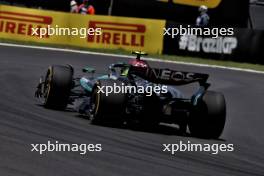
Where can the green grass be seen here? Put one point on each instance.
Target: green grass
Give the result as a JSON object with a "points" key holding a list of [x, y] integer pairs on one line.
{"points": [[186, 59]]}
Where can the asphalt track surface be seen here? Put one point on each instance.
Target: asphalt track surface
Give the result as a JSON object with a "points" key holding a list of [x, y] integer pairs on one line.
{"points": [[125, 151]]}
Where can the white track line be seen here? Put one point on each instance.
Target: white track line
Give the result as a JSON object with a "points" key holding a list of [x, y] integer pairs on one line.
{"points": [[127, 56]]}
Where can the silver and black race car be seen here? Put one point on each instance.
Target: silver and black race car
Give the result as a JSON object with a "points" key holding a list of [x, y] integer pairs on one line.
{"points": [[204, 113]]}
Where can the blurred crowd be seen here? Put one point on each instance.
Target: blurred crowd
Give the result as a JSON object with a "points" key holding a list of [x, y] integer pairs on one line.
{"points": [[84, 8], [74, 6], [228, 13]]}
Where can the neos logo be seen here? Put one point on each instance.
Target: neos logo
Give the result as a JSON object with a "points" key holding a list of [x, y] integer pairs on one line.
{"points": [[220, 45], [171, 75]]}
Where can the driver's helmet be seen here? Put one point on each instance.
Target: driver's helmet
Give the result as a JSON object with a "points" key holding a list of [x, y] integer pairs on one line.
{"points": [[134, 63], [124, 71]]}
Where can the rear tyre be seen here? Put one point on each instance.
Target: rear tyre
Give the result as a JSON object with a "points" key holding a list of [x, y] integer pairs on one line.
{"points": [[107, 108], [150, 117], [207, 118], [57, 87]]}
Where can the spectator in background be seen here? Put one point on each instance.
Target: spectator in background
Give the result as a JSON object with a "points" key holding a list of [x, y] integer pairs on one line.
{"points": [[74, 6], [203, 19], [86, 8]]}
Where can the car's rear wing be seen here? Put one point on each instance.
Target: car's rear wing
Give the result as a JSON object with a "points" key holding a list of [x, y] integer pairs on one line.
{"points": [[168, 76]]}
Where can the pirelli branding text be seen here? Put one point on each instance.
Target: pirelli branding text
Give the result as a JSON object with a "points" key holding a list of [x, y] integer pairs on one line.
{"points": [[22, 23], [59, 28], [118, 34]]}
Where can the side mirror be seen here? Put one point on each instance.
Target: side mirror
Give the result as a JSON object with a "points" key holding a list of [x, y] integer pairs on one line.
{"points": [[88, 70]]}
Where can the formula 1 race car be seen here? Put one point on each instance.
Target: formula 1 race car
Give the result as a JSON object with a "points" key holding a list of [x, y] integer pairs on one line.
{"points": [[106, 99]]}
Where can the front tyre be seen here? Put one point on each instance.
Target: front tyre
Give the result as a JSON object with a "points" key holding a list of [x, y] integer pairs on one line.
{"points": [[107, 108], [57, 86], [207, 118]]}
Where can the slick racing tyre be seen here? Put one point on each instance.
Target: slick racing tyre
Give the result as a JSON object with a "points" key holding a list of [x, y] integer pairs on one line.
{"points": [[107, 107], [57, 86], [150, 117], [207, 118]]}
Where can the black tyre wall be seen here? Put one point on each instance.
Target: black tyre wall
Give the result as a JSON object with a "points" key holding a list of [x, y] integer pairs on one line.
{"points": [[207, 119], [60, 86], [110, 107]]}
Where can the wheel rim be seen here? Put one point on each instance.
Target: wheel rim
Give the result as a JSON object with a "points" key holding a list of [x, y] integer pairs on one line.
{"points": [[95, 99], [47, 85]]}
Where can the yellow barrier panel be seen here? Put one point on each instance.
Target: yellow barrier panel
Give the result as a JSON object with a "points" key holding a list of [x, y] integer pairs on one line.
{"points": [[208, 3], [116, 32]]}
